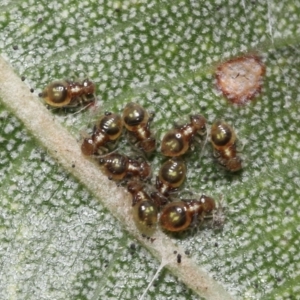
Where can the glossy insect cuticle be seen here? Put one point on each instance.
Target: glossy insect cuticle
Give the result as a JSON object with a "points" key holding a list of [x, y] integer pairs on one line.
{"points": [[108, 129], [137, 122], [67, 93], [223, 140], [176, 142]]}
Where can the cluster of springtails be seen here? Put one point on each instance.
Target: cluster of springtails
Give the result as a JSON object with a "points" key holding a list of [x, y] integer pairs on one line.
{"points": [[151, 205]]}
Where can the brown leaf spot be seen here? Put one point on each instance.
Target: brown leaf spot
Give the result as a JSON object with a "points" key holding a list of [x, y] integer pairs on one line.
{"points": [[240, 79]]}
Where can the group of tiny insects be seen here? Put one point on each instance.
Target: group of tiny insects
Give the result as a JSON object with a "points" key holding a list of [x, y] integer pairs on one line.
{"points": [[151, 203]]}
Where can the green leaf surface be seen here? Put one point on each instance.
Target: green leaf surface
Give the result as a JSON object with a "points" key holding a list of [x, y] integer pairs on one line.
{"points": [[66, 231]]}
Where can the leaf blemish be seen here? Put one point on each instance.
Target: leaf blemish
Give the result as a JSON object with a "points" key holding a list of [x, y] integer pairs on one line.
{"points": [[240, 79]]}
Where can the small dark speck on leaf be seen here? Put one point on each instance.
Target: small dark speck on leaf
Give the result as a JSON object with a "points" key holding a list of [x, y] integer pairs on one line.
{"points": [[132, 246], [179, 258], [40, 20], [287, 212], [187, 252], [73, 165], [23, 78], [216, 244], [175, 252], [31, 90], [15, 47]]}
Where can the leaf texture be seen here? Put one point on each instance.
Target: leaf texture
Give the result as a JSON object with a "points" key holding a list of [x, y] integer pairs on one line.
{"points": [[57, 240]]}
